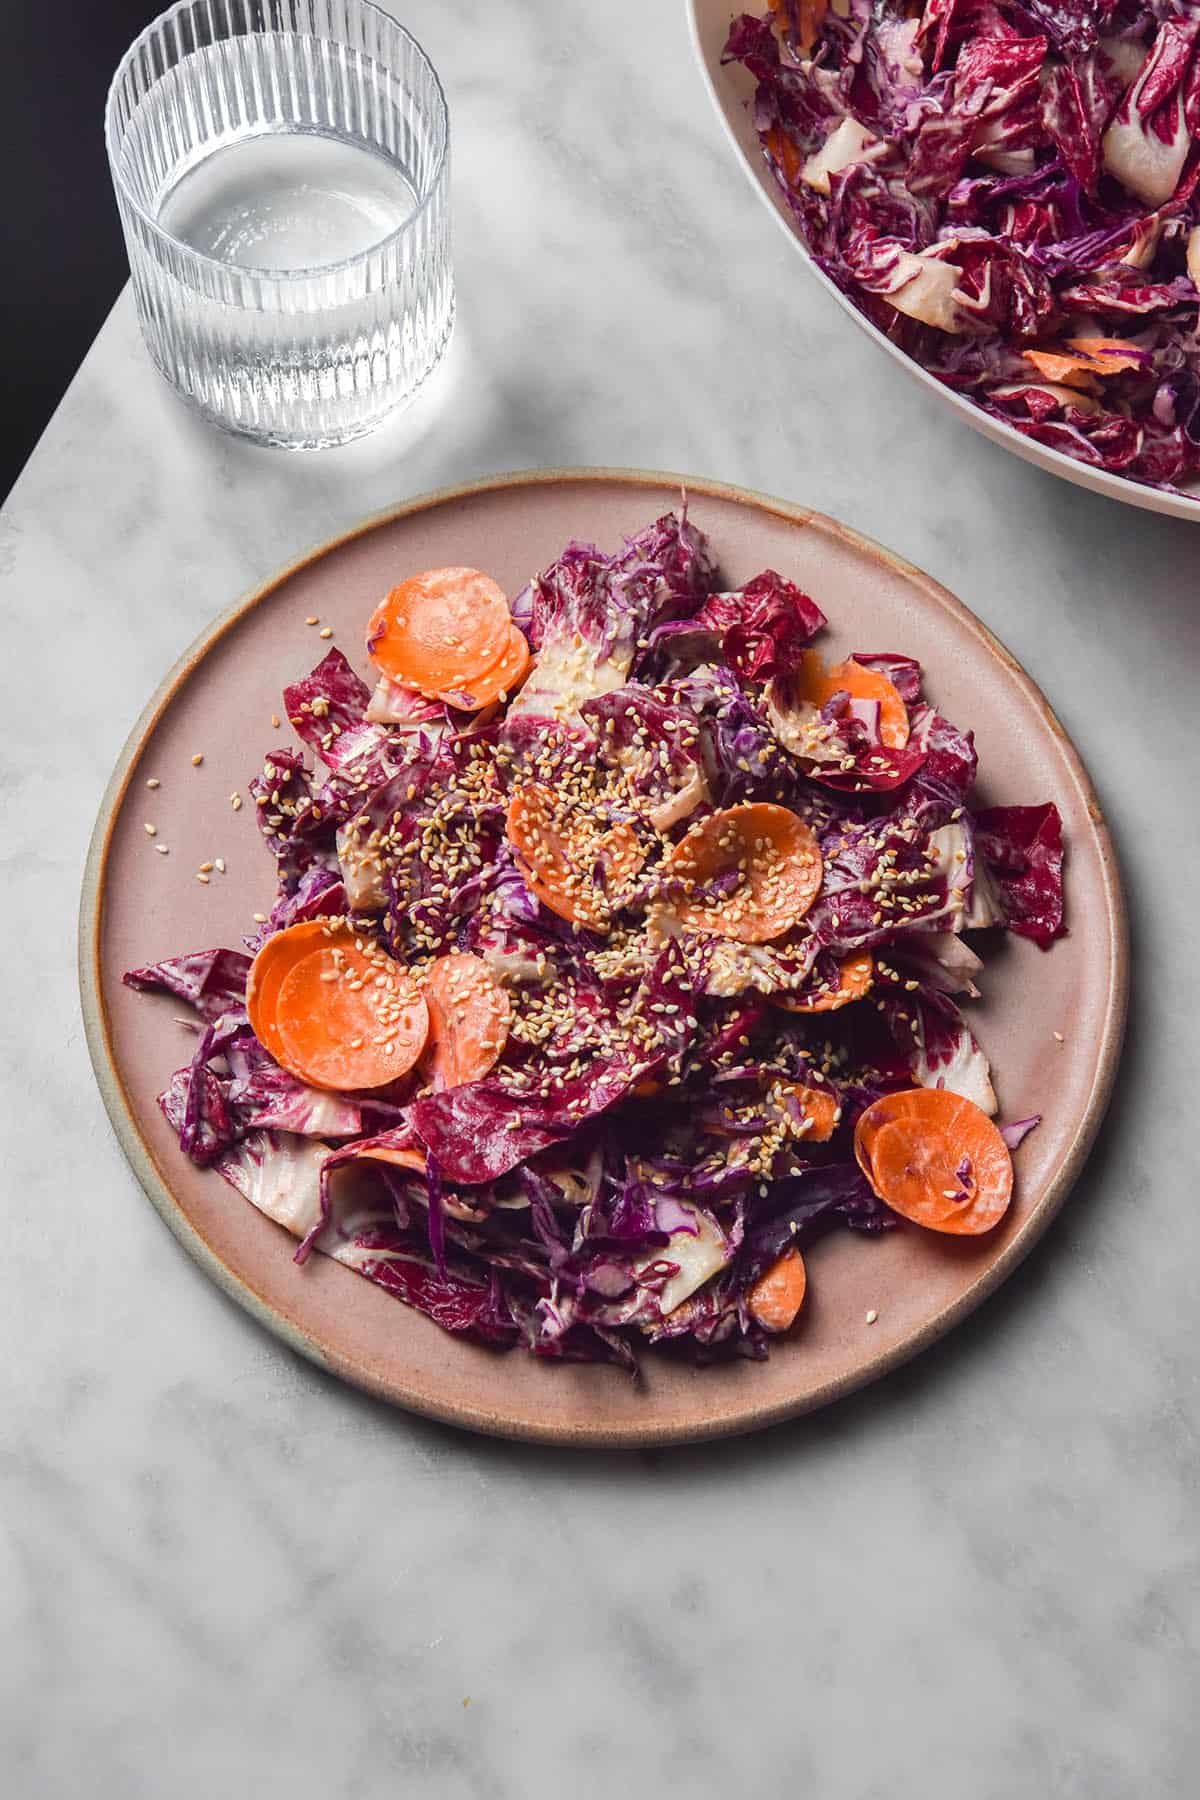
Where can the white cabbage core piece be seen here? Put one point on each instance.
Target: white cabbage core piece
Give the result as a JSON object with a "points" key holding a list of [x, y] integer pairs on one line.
{"points": [[362, 870], [924, 288], [1140, 159], [699, 1255], [848, 143], [567, 672]]}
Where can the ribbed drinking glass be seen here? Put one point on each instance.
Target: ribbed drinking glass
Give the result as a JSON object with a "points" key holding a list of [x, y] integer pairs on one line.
{"points": [[282, 172]]}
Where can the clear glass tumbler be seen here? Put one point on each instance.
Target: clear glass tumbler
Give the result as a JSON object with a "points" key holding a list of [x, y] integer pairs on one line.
{"points": [[282, 173]]}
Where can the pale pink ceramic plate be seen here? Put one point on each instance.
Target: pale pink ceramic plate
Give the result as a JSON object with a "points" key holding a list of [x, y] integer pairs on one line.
{"points": [[732, 88], [139, 906]]}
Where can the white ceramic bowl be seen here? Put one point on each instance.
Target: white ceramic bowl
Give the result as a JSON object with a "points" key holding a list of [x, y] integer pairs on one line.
{"points": [[731, 88]]}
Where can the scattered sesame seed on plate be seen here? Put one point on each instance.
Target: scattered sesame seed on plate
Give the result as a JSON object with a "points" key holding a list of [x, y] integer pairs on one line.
{"points": [[201, 876], [260, 918], [153, 782], [197, 759], [149, 829], [326, 631], [872, 1316], [311, 620]]}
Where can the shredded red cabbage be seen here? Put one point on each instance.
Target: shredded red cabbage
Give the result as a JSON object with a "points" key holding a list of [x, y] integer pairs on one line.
{"points": [[641, 1152], [1007, 188]]}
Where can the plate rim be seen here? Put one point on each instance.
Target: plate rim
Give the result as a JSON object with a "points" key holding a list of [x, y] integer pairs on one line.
{"points": [[481, 1418], [1040, 456]]}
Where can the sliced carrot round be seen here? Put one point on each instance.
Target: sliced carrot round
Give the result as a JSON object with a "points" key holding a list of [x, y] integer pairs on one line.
{"points": [[937, 1159], [778, 1294], [499, 680], [817, 1106], [774, 859], [855, 975], [349, 1019], [573, 863], [277, 957], [908, 1102], [818, 684], [810, 16], [469, 1016], [439, 630], [785, 153]]}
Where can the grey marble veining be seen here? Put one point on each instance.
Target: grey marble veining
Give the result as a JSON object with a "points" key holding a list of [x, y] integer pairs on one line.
{"points": [[223, 1573]]}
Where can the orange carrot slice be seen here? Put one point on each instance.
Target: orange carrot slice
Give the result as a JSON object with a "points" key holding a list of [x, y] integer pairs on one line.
{"points": [[777, 863], [785, 153], [778, 1295], [937, 1159], [818, 1106], [347, 1019], [439, 630], [817, 684], [1090, 357], [1107, 356], [574, 865], [855, 976], [889, 1107], [812, 17], [277, 958], [498, 681], [1070, 371], [469, 1016]]}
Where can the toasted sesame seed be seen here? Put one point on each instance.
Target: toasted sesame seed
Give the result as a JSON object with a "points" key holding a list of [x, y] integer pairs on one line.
{"points": [[149, 829], [311, 620], [206, 868], [1059, 1037], [260, 918], [153, 782], [237, 803], [162, 849], [200, 876], [326, 631], [197, 759], [275, 721], [872, 1316]]}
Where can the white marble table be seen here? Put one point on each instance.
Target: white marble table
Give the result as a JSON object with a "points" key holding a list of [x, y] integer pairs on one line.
{"points": [[221, 1572]]}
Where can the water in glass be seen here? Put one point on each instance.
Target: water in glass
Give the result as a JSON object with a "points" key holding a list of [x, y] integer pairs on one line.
{"points": [[284, 198]]}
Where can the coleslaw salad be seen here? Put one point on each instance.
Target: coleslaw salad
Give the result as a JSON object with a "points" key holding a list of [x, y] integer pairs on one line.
{"points": [[574, 997]]}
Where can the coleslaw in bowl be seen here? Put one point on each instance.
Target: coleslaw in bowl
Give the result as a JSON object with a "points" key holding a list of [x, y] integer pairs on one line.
{"points": [[1117, 426]]}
